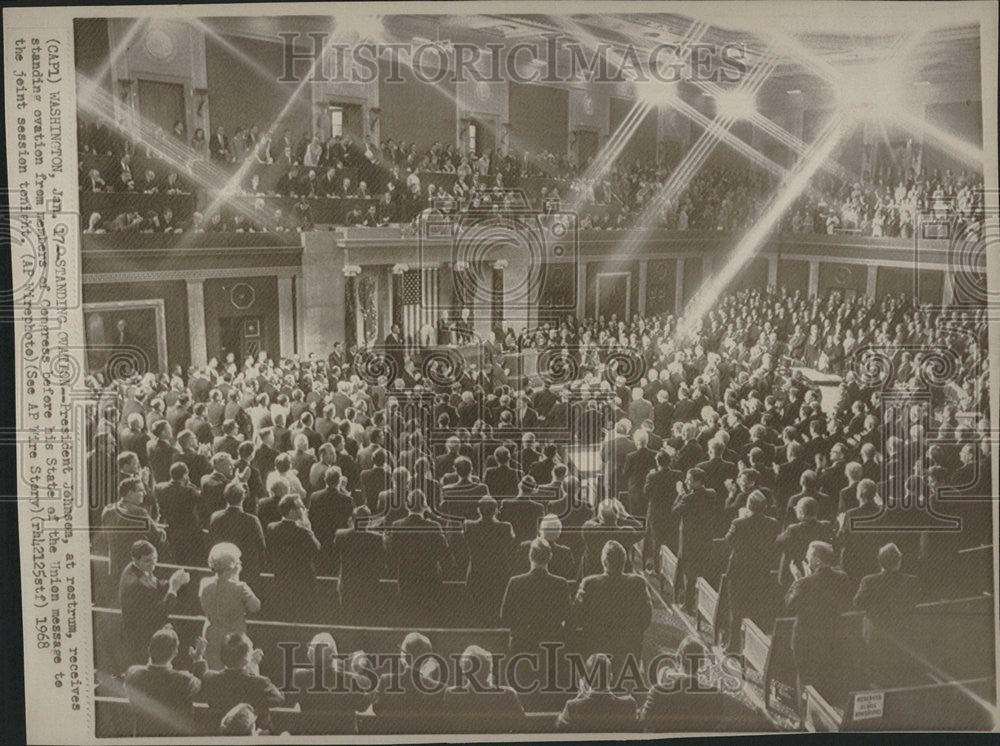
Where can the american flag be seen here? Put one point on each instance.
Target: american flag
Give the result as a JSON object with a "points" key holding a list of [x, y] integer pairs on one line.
{"points": [[420, 300]]}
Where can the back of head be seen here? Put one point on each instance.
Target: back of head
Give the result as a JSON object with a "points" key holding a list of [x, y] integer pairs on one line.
{"points": [[539, 552], [415, 645], [235, 650], [889, 557], [613, 558], [163, 646], [806, 507], [239, 721]]}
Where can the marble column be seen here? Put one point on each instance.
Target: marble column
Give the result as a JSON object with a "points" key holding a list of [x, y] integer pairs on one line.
{"points": [[813, 278], [871, 282], [198, 336], [286, 317], [679, 288], [643, 282], [581, 290], [398, 270], [351, 273], [772, 271]]}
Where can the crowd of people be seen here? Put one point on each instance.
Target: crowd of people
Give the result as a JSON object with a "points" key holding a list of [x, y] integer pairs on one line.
{"points": [[304, 468], [392, 183]]}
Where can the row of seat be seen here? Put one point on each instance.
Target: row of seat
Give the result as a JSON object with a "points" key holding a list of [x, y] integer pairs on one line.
{"points": [[115, 718], [381, 605], [965, 620], [270, 636]]}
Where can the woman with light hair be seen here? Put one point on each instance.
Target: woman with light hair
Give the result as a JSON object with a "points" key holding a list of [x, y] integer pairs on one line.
{"points": [[225, 600]]}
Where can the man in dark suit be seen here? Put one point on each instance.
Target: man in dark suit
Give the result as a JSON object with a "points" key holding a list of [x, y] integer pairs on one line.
{"points": [[375, 479], [698, 511], [596, 709], [615, 449], [859, 547], [788, 474], [160, 696], [660, 493], [179, 503], [227, 442], [490, 544], [418, 556], [459, 499], [887, 597], [197, 463], [160, 452], [266, 453], [292, 551], [613, 608], [478, 704], [409, 698], [717, 470], [213, 485], [562, 562], [793, 542], [330, 510], [219, 145], [690, 454], [240, 681], [358, 559], [752, 588], [530, 622], [825, 504], [611, 524], [328, 693], [523, 512], [501, 480], [145, 600], [638, 465], [236, 526], [817, 598], [125, 521]]}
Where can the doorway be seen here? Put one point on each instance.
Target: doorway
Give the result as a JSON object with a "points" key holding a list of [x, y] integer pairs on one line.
{"points": [[241, 336], [614, 295], [162, 104]]}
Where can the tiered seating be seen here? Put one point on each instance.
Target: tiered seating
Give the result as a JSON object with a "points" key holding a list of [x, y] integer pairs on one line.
{"points": [[268, 635], [114, 718], [325, 607]]}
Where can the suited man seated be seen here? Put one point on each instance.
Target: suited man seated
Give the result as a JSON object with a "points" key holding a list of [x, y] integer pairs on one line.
{"points": [[478, 704], [327, 692], [523, 512], [679, 701], [161, 696], [460, 497], [502, 480], [530, 622], [887, 597], [409, 698], [240, 681], [595, 708], [793, 542], [562, 563], [613, 608], [613, 523]]}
